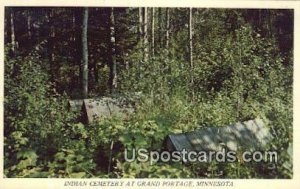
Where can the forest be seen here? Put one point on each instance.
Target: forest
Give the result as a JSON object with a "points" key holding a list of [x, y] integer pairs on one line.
{"points": [[184, 69]]}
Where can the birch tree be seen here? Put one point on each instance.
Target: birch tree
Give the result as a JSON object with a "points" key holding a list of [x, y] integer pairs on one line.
{"points": [[85, 53], [153, 32], [29, 23], [191, 50], [167, 27], [113, 63], [140, 23], [11, 32], [146, 34]]}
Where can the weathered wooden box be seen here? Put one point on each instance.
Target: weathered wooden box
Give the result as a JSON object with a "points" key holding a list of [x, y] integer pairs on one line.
{"points": [[250, 135]]}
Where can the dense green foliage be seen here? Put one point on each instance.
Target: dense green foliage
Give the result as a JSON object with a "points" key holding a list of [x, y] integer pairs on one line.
{"points": [[240, 73]]}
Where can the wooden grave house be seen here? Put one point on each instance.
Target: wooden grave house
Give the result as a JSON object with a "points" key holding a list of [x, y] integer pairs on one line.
{"points": [[250, 135], [99, 108]]}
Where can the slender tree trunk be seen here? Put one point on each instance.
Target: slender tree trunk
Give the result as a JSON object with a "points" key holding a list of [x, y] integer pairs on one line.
{"points": [[145, 34], [140, 23], [153, 32], [168, 66], [78, 13], [270, 22], [7, 26], [160, 20], [167, 27], [51, 40], [191, 50], [77, 43], [29, 32], [113, 61], [13, 35], [73, 36], [259, 18], [84, 39], [52, 36]]}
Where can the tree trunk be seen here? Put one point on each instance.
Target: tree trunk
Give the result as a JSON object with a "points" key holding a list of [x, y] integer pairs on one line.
{"points": [[73, 36], [51, 40], [167, 27], [52, 36], [7, 26], [145, 34], [153, 32], [168, 66], [85, 53], [191, 50], [160, 20], [29, 32], [78, 13], [113, 61], [270, 22], [140, 24], [12, 34], [259, 18]]}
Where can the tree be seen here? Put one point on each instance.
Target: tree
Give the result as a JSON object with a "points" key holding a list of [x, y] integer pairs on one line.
{"points": [[11, 32], [51, 43], [140, 23], [153, 31], [159, 23], [28, 12], [145, 34], [112, 47], [85, 53], [191, 50], [167, 27], [77, 43]]}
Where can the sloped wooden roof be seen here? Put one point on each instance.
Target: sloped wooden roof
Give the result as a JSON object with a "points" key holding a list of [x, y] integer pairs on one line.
{"points": [[95, 109], [252, 134]]}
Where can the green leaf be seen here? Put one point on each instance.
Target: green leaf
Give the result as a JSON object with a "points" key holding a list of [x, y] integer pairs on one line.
{"points": [[126, 139], [77, 175], [60, 156], [140, 141], [27, 154]]}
